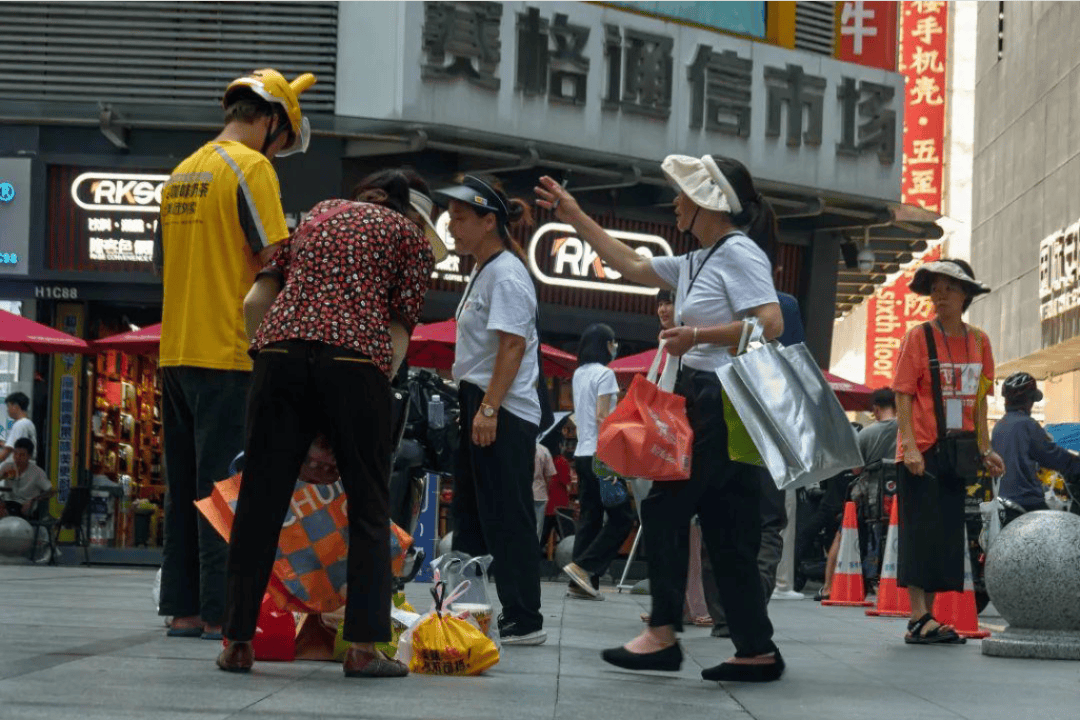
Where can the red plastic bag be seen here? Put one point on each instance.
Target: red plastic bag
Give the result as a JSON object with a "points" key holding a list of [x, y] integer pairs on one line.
{"points": [[647, 435], [275, 633]]}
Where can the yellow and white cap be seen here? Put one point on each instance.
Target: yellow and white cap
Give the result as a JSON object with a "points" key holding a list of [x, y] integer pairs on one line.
{"points": [[271, 86]]}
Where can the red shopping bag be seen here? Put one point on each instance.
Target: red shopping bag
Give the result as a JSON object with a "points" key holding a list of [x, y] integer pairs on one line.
{"points": [[647, 435]]}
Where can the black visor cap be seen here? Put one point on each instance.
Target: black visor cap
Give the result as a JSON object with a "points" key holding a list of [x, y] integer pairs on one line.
{"points": [[473, 192]]}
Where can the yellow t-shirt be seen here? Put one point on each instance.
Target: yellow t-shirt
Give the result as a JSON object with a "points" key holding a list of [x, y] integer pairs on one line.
{"points": [[219, 208]]}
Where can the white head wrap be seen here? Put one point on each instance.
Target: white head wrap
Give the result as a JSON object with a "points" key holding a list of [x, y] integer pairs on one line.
{"points": [[701, 181]]}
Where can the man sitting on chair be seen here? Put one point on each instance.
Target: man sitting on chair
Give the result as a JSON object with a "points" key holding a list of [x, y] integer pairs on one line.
{"points": [[27, 482]]}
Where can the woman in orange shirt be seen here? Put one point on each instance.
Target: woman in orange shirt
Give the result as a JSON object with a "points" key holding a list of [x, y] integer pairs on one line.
{"points": [[936, 463]]}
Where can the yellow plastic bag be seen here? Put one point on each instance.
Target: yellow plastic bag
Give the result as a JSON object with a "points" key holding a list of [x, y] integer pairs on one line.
{"points": [[441, 644]]}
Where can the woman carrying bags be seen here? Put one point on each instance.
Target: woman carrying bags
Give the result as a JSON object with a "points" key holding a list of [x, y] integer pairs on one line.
{"points": [[596, 542], [943, 441], [716, 287], [496, 368]]}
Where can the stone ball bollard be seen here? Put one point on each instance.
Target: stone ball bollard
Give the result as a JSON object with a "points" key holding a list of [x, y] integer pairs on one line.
{"points": [[1033, 579], [16, 535]]}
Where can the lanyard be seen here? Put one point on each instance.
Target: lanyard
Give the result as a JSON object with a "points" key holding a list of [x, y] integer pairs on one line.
{"points": [[469, 287], [694, 275], [957, 385]]}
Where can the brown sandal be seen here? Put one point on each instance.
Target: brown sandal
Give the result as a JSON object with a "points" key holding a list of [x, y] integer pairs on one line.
{"points": [[361, 664]]}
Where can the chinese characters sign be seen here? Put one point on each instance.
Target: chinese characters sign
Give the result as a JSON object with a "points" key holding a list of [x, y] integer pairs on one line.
{"points": [[1059, 273], [891, 311], [868, 34], [120, 214], [65, 407], [923, 43], [600, 79]]}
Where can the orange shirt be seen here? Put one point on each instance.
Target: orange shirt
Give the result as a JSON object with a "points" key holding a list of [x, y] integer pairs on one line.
{"points": [[967, 373]]}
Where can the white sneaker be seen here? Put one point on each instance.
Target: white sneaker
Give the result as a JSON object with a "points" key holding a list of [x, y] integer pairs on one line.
{"points": [[581, 579], [536, 637], [787, 595]]}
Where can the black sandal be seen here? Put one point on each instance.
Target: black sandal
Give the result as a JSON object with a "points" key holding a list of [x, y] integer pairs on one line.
{"points": [[937, 636]]}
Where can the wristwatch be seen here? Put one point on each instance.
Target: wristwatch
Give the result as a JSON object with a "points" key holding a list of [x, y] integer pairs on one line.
{"points": [[487, 411]]}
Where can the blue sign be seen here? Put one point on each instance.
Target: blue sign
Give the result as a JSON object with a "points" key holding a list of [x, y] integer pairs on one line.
{"points": [[7, 192], [427, 527], [745, 18]]}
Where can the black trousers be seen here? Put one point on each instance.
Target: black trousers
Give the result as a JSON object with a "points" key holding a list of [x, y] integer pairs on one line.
{"points": [[596, 543], [774, 521], [203, 423], [493, 508], [931, 526], [299, 389], [726, 496]]}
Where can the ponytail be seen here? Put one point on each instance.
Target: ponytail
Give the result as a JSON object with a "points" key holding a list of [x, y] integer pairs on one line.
{"points": [[757, 218]]}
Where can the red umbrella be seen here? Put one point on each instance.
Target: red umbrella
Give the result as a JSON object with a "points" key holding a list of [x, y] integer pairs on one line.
{"points": [[852, 395], [627, 367], [432, 346], [136, 342], [18, 334]]}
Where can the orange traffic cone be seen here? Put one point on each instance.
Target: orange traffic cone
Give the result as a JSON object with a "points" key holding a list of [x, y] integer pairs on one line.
{"points": [[958, 609], [847, 585], [892, 601]]}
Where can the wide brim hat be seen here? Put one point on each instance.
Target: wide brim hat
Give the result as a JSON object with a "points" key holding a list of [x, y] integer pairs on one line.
{"points": [[474, 191], [924, 278], [701, 180], [424, 205]]}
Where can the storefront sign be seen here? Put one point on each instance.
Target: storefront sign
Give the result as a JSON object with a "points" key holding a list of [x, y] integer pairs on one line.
{"points": [[64, 411], [1059, 274], [557, 256], [14, 216], [604, 80], [891, 311], [119, 214], [868, 34], [744, 18], [923, 46]]}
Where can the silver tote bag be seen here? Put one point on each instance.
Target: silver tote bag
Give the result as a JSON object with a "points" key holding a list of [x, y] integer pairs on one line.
{"points": [[791, 414]]}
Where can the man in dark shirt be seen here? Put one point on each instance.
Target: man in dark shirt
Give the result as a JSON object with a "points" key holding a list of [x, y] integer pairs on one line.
{"points": [[1025, 446]]}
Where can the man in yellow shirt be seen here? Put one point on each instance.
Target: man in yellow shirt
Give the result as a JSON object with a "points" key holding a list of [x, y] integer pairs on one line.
{"points": [[220, 219]]}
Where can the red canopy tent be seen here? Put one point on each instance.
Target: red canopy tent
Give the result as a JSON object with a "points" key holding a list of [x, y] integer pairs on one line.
{"points": [[852, 395], [19, 334], [432, 346], [137, 342]]}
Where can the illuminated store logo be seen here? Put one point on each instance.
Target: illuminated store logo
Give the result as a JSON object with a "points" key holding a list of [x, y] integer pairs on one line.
{"points": [[7, 192], [118, 191], [575, 264]]}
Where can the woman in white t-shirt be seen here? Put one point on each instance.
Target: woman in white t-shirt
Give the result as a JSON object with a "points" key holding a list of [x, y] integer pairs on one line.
{"points": [[596, 391], [496, 368], [716, 287]]}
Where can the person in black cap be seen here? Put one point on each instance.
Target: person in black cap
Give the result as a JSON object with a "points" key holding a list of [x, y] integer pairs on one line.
{"points": [[496, 367], [935, 463], [1025, 447]]}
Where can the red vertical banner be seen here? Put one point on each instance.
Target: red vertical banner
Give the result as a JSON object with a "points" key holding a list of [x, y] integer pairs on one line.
{"points": [[868, 34], [923, 46], [891, 311]]}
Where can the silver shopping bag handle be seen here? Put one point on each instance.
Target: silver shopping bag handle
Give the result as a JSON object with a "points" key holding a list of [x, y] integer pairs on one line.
{"points": [[751, 332]]}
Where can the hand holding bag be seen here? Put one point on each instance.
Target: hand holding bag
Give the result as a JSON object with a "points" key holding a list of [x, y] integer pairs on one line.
{"points": [[648, 434], [791, 414]]}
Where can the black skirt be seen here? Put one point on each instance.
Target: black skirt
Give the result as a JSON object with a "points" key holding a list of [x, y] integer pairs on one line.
{"points": [[931, 515]]}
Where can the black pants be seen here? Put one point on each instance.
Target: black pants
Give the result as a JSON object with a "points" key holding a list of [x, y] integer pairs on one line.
{"points": [[726, 497], [596, 543], [493, 508], [1011, 514], [773, 522], [298, 390], [931, 526], [203, 423]]}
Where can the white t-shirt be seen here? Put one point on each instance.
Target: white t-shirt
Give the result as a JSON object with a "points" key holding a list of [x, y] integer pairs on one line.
{"points": [[543, 470], [590, 382], [502, 297], [27, 486], [22, 428], [737, 278]]}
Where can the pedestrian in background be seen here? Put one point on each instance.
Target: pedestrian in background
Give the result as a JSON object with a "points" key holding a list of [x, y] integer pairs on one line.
{"points": [[221, 217], [939, 462], [543, 471], [324, 356], [717, 288], [496, 366], [596, 542]]}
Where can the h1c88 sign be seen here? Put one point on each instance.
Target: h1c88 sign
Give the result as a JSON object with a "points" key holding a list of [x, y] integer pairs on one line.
{"points": [[557, 256]]}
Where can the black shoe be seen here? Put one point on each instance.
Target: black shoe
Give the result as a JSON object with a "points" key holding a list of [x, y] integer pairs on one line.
{"points": [[731, 672], [668, 659], [721, 631]]}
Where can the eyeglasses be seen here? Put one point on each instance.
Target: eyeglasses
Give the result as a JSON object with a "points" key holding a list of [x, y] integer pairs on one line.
{"points": [[614, 346]]}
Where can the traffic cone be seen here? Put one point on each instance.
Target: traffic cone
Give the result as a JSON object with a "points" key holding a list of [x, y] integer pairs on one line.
{"points": [[958, 609], [892, 601], [847, 585]]}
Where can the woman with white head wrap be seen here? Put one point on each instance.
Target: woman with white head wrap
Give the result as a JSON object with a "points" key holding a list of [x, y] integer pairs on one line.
{"points": [[717, 287]]}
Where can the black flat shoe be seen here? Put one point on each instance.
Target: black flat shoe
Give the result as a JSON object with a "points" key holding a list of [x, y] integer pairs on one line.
{"points": [[734, 672], [669, 659]]}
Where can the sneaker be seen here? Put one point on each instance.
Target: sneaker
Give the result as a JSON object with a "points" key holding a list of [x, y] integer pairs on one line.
{"points": [[512, 635], [581, 578], [787, 595], [575, 592]]}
